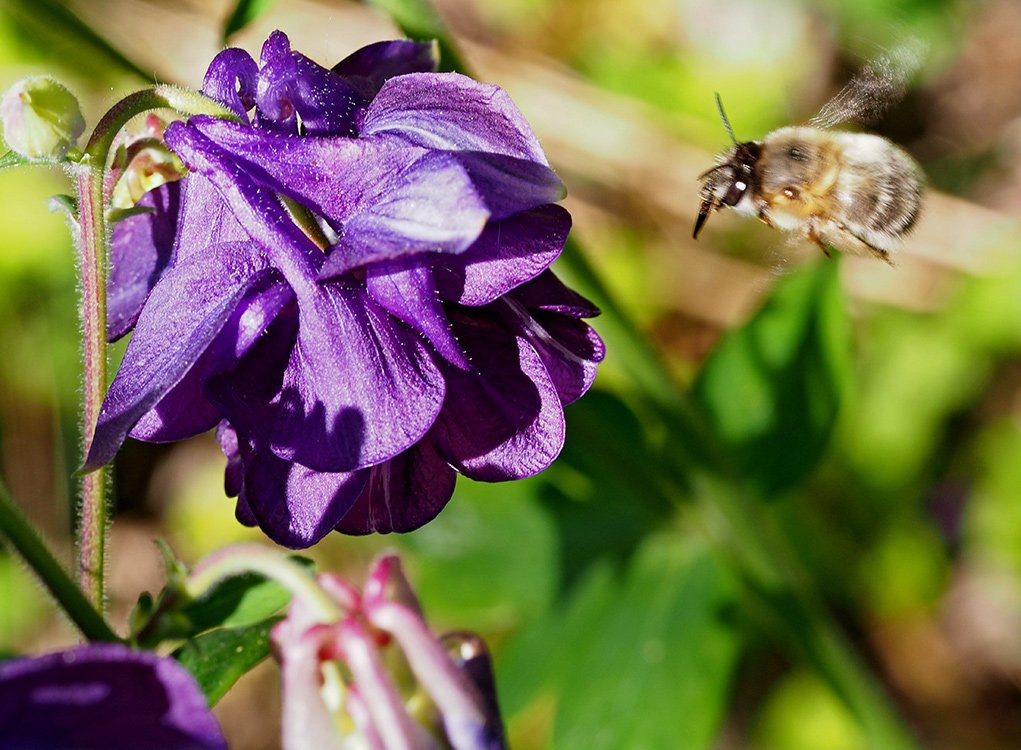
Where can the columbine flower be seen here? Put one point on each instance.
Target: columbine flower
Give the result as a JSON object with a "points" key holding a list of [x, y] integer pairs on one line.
{"points": [[380, 675], [423, 336], [103, 697]]}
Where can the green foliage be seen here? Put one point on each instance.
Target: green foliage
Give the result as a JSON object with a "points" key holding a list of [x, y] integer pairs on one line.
{"points": [[772, 389], [219, 658], [243, 13]]}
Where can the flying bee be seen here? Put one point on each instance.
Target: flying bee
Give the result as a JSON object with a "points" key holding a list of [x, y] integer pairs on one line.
{"points": [[853, 191]]}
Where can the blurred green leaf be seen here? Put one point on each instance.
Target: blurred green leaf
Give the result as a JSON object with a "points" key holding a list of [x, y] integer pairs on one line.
{"points": [[488, 559], [643, 659], [12, 159], [51, 25], [604, 491], [773, 387], [245, 11], [218, 659], [419, 20]]}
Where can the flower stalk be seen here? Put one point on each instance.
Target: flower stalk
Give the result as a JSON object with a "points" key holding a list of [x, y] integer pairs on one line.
{"points": [[90, 174]]}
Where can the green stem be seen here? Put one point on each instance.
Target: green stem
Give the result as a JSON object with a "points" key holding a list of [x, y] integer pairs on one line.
{"points": [[89, 174], [27, 542]]}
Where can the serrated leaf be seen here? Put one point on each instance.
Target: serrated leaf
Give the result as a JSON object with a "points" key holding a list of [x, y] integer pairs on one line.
{"points": [[218, 659], [772, 389], [245, 11]]}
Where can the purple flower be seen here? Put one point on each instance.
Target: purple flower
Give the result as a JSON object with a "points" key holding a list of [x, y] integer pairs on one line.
{"points": [[103, 697], [410, 332]]}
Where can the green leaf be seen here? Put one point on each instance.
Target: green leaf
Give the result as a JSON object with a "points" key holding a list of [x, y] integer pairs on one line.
{"points": [[606, 490], [639, 660], [772, 389], [12, 159], [233, 602], [419, 20], [218, 659], [245, 11]]}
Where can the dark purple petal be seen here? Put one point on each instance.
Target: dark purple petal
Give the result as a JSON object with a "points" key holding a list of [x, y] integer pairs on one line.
{"points": [[570, 349], [232, 79], [103, 697], [403, 493], [297, 93], [372, 65], [405, 288], [141, 248], [509, 185], [294, 505], [388, 203], [509, 253], [505, 420], [548, 293], [360, 387], [185, 411], [186, 310], [451, 111]]}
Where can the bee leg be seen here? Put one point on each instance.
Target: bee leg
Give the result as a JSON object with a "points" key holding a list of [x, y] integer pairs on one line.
{"points": [[764, 217], [883, 255], [816, 236]]}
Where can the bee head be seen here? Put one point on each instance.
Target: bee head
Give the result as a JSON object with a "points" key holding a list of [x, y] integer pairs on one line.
{"points": [[727, 182]]}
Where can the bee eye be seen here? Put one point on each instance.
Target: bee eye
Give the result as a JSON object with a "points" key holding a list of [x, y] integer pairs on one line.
{"points": [[735, 192], [791, 193]]}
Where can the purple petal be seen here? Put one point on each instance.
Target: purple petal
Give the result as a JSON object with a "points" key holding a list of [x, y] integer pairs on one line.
{"points": [[186, 310], [547, 292], [509, 253], [375, 63], [297, 93], [403, 493], [509, 185], [232, 79], [388, 202], [185, 411], [255, 209], [570, 350], [294, 505], [505, 420], [103, 697], [405, 288], [206, 219], [141, 248], [451, 111], [360, 386]]}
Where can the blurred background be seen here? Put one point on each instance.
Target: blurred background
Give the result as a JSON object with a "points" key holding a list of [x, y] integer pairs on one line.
{"points": [[616, 620]]}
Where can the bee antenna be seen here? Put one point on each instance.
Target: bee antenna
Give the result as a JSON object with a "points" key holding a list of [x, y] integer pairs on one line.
{"points": [[723, 116]]}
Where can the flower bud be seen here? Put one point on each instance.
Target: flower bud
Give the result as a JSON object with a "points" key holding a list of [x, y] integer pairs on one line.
{"points": [[41, 119]]}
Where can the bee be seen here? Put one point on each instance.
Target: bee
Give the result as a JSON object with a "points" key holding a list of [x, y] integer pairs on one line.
{"points": [[853, 191]]}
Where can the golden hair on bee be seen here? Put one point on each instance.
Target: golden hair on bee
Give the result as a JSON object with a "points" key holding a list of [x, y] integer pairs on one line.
{"points": [[853, 191]]}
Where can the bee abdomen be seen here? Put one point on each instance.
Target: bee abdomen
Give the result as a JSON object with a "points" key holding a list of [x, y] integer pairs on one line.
{"points": [[882, 190]]}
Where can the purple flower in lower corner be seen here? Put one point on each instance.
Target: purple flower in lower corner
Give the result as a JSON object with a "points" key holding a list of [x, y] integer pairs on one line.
{"points": [[103, 697], [352, 285]]}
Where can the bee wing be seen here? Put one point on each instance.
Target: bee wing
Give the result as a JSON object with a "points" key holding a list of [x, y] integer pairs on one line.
{"points": [[880, 84]]}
